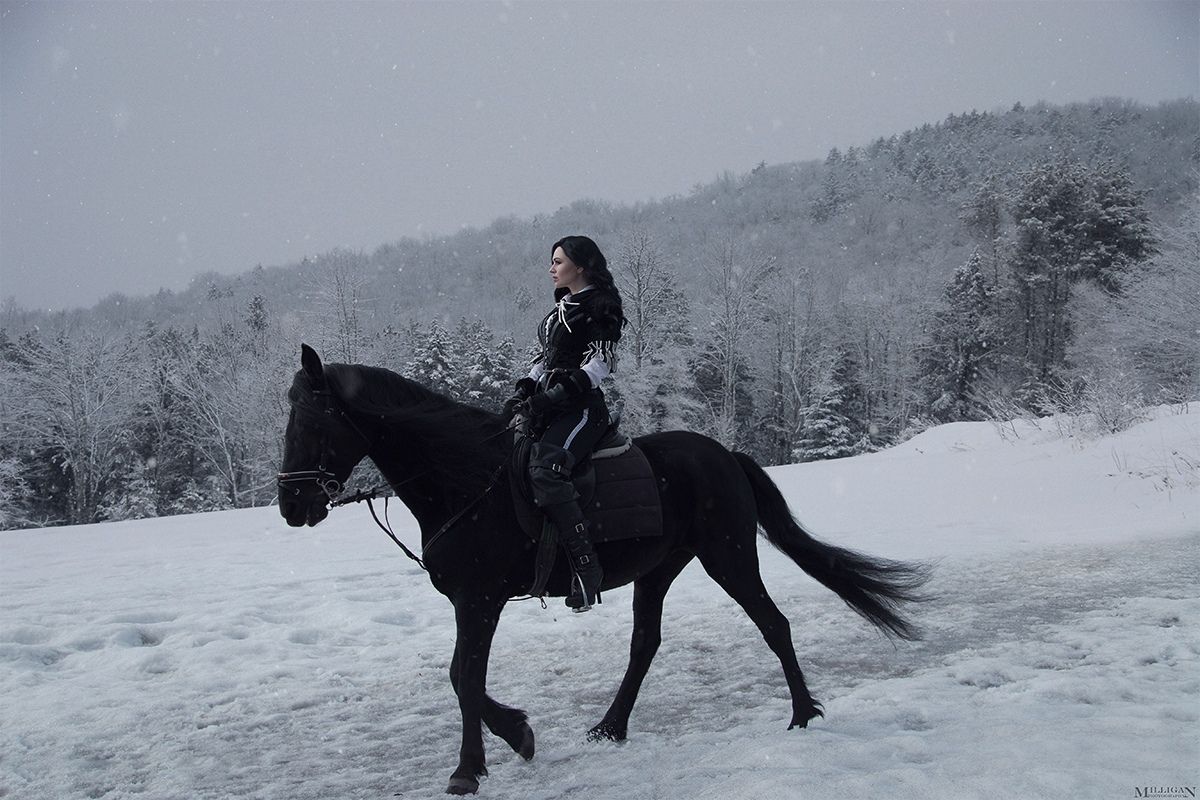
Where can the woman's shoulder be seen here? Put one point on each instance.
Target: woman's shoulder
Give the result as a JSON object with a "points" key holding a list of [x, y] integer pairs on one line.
{"points": [[603, 306]]}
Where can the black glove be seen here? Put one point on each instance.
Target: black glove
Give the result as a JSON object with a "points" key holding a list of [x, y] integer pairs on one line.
{"points": [[575, 381], [523, 390], [543, 401]]}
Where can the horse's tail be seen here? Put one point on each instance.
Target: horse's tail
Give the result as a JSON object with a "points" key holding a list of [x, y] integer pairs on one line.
{"points": [[873, 587]]}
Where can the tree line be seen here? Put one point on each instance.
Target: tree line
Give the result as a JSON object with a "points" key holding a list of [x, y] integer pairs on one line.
{"points": [[794, 313]]}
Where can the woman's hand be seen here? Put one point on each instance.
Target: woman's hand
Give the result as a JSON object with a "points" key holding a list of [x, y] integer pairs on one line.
{"points": [[524, 389], [542, 402]]}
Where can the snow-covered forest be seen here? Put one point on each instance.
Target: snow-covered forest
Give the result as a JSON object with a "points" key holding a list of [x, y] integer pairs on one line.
{"points": [[992, 265]]}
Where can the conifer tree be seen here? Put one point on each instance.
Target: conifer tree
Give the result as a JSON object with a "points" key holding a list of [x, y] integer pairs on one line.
{"points": [[433, 362], [137, 499], [961, 342], [827, 432], [1074, 224], [831, 428], [483, 368]]}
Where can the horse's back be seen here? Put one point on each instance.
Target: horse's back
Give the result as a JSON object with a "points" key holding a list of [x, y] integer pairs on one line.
{"points": [[686, 444], [691, 467]]}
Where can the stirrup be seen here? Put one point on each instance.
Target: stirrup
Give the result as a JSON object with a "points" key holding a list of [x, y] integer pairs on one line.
{"points": [[577, 599]]}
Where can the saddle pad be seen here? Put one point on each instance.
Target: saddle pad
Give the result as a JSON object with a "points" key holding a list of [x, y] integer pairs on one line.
{"points": [[619, 496], [625, 504]]}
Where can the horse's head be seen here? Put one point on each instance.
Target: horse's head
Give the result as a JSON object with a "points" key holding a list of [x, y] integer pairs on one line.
{"points": [[321, 445]]}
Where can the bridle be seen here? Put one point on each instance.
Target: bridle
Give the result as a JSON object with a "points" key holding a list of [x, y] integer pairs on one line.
{"points": [[324, 479], [328, 483]]}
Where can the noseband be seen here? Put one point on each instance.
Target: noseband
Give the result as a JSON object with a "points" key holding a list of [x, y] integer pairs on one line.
{"points": [[325, 480]]}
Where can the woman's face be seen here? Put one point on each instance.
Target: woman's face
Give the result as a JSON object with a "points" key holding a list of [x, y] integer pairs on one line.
{"points": [[565, 273]]}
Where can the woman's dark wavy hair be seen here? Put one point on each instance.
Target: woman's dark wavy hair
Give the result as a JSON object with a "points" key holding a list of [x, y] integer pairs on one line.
{"points": [[586, 254]]}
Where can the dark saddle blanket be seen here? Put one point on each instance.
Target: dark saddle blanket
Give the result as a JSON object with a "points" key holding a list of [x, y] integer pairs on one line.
{"points": [[617, 491]]}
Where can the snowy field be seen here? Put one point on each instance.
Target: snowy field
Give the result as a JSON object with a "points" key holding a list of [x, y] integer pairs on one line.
{"points": [[226, 656]]}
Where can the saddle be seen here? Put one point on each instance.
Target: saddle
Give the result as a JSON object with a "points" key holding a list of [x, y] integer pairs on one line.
{"points": [[617, 494]]}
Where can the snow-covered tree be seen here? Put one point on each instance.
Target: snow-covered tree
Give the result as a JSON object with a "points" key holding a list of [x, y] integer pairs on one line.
{"points": [[962, 337], [339, 291], [832, 427], [737, 283], [14, 495], [985, 215], [662, 395], [137, 498], [1151, 329], [1074, 223], [433, 363], [653, 386], [647, 288], [73, 401], [233, 415], [483, 369], [200, 496]]}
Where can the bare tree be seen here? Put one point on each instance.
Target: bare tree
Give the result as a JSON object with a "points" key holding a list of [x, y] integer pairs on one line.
{"points": [[234, 416], [1153, 328], [340, 295], [738, 282], [74, 399], [645, 284]]}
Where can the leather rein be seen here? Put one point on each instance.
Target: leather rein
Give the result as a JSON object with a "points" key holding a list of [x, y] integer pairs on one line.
{"points": [[328, 483]]}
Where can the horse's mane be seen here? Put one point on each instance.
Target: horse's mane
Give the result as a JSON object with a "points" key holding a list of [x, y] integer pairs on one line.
{"points": [[459, 441]]}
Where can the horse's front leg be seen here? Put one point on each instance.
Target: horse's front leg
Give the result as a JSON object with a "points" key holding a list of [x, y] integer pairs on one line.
{"points": [[476, 620], [510, 724]]}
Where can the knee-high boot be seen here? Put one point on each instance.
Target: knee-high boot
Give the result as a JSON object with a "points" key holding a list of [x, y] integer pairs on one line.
{"points": [[585, 567]]}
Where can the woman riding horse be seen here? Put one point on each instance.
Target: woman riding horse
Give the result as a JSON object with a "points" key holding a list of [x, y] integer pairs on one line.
{"points": [[561, 395]]}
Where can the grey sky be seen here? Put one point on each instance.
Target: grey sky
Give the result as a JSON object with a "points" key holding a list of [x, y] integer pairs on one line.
{"points": [[143, 143]]}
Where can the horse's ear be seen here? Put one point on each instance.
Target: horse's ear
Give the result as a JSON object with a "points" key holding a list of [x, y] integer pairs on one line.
{"points": [[311, 362]]}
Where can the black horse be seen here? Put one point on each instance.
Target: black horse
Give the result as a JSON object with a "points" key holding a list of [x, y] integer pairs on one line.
{"points": [[442, 457]]}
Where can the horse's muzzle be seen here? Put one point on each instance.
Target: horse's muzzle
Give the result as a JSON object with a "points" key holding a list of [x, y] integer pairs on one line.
{"points": [[300, 511], [299, 504]]}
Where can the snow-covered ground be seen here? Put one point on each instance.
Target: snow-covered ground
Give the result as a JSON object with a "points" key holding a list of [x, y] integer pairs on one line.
{"points": [[226, 655]]}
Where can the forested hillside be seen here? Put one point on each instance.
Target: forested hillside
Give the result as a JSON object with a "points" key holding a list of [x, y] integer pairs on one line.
{"points": [[991, 264]]}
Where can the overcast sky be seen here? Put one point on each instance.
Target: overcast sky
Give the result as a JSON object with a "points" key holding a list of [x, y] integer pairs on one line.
{"points": [[143, 143]]}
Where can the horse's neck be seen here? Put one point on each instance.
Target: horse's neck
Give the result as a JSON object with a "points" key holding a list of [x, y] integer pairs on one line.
{"points": [[418, 483]]}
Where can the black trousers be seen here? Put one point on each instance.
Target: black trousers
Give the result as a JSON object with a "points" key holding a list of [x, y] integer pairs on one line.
{"points": [[567, 438], [579, 425]]}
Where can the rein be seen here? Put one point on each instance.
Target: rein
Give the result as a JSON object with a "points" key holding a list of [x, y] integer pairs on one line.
{"points": [[329, 484], [374, 492]]}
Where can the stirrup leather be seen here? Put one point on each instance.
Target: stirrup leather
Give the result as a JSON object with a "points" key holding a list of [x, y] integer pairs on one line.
{"points": [[583, 564]]}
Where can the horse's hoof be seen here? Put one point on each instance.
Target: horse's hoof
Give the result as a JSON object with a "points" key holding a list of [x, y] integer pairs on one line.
{"points": [[525, 750], [801, 719], [605, 732], [462, 786]]}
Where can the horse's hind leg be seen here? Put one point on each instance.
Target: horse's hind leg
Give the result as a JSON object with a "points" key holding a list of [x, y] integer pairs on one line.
{"points": [[648, 594], [737, 572]]}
